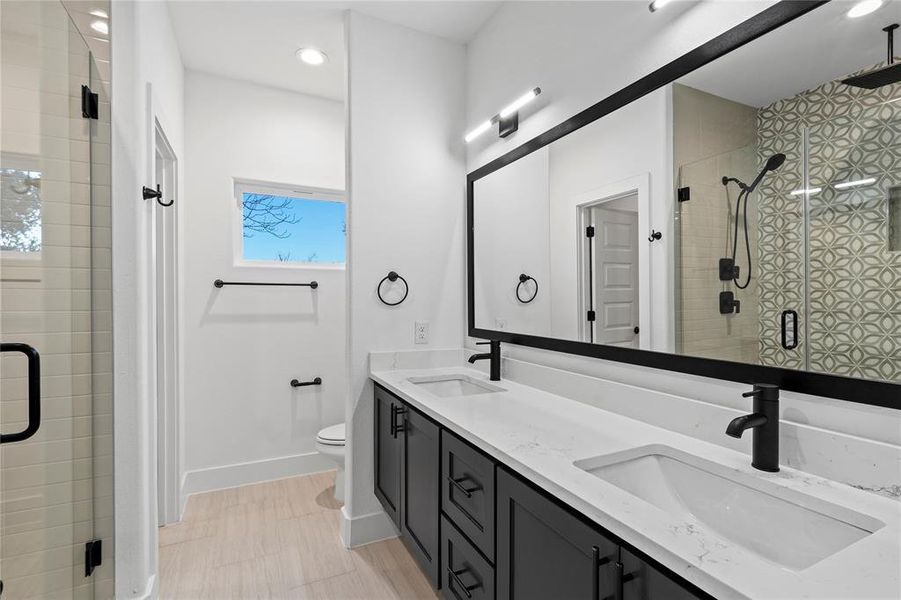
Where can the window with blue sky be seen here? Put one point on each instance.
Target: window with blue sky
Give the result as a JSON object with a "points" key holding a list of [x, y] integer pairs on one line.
{"points": [[278, 226]]}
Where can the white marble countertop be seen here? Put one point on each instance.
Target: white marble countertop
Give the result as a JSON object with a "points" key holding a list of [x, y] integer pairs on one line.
{"points": [[540, 435]]}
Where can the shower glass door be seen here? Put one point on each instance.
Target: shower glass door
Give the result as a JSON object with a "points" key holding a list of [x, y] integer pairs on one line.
{"points": [[55, 319], [854, 259]]}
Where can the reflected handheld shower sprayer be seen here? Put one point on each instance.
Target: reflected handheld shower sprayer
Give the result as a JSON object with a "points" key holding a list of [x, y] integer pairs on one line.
{"points": [[728, 269]]}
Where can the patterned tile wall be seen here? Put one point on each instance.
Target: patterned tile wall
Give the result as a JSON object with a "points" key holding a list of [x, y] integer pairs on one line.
{"points": [[854, 320]]}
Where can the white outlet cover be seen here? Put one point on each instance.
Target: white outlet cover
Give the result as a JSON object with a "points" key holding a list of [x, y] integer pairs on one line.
{"points": [[421, 332]]}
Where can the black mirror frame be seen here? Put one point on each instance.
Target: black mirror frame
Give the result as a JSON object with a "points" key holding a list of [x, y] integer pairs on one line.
{"points": [[863, 391]]}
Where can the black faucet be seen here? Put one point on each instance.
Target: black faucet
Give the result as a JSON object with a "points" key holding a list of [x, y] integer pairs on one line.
{"points": [[494, 356], [765, 423]]}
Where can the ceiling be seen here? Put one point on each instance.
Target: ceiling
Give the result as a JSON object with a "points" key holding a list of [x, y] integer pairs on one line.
{"points": [[255, 40], [818, 47]]}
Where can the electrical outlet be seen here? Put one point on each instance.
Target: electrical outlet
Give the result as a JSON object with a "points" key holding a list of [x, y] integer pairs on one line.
{"points": [[421, 332]]}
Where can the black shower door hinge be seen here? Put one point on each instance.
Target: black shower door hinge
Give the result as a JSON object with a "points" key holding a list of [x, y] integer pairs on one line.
{"points": [[589, 231], [591, 316], [683, 194], [93, 556], [89, 103]]}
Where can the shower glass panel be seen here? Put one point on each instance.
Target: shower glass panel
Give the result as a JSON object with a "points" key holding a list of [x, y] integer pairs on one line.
{"points": [[55, 298], [854, 278]]}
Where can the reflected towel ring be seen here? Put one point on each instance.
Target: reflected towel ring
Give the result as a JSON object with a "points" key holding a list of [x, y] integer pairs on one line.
{"points": [[522, 279], [392, 276]]}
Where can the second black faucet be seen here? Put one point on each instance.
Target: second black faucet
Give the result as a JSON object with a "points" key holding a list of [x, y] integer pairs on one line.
{"points": [[494, 355]]}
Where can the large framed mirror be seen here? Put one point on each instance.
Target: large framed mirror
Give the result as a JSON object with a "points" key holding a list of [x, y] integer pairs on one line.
{"points": [[735, 214]]}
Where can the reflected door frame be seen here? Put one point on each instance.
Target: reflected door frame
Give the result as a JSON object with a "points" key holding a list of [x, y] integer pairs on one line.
{"points": [[638, 185]]}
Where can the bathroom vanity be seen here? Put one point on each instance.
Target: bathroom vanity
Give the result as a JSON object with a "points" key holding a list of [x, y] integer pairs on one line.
{"points": [[504, 491]]}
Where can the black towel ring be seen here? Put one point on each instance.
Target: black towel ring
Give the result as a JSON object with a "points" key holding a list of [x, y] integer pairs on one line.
{"points": [[522, 279], [392, 276]]}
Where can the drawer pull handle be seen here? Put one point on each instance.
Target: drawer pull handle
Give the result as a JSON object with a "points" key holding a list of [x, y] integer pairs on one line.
{"points": [[455, 576], [458, 483]]}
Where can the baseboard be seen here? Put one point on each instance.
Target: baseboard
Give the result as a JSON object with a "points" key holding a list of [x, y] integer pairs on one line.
{"points": [[365, 529], [228, 476], [150, 590]]}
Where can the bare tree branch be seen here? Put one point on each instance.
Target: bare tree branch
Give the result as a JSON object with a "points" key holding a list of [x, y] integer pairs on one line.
{"points": [[268, 214]]}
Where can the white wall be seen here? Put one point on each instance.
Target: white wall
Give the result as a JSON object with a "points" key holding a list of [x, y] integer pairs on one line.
{"points": [[632, 143], [511, 234], [406, 175], [244, 344], [144, 51]]}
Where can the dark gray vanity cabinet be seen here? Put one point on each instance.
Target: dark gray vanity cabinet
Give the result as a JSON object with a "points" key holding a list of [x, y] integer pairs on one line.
{"points": [[407, 476], [481, 532], [642, 581], [388, 450], [420, 490], [544, 551]]}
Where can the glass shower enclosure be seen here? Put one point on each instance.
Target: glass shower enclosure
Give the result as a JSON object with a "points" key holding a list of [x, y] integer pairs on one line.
{"points": [[825, 260], [56, 467]]}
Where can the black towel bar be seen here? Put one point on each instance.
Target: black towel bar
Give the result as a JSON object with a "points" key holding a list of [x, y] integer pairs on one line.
{"points": [[219, 283]]}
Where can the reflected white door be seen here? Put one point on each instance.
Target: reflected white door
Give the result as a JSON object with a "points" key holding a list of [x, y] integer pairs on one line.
{"points": [[615, 277]]}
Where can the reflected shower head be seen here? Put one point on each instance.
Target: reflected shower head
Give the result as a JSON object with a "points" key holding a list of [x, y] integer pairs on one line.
{"points": [[887, 75], [772, 163], [775, 161]]}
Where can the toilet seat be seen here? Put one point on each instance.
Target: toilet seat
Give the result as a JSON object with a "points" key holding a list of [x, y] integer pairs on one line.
{"points": [[332, 436]]}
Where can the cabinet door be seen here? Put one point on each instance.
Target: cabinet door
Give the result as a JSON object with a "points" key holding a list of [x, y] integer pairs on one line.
{"points": [[642, 581], [421, 490], [544, 551], [388, 446]]}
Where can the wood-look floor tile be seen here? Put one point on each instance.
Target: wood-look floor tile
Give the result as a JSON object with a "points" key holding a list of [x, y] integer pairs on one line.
{"points": [[257, 579], [312, 549], [279, 539], [349, 586]]}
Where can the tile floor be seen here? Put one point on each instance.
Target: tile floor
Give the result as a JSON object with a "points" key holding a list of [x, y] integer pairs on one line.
{"points": [[279, 539]]}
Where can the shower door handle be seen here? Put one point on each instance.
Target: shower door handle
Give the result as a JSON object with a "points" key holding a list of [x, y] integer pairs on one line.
{"points": [[34, 392], [789, 329]]}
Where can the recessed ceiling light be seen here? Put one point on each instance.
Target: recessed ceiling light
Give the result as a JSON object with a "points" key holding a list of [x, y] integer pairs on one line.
{"points": [[311, 56], [657, 5], [100, 13], [864, 7], [100, 26]]}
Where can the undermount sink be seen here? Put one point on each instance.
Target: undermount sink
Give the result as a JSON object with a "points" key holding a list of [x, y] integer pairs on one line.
{"points": [[452, 386], [781, 525]]}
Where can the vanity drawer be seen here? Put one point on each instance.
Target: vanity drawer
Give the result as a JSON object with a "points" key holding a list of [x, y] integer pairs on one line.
{"points": [[465, 574], [467, 491]]}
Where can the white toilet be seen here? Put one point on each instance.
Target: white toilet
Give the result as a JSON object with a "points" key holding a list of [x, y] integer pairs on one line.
{"points": [[330, 442]]}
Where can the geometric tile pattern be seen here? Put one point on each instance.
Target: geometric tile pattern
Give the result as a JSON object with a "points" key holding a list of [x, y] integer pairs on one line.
{"points": [[854, 323]]}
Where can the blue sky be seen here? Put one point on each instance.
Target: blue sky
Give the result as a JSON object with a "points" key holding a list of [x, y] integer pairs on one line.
{"points": [[317, 237]]}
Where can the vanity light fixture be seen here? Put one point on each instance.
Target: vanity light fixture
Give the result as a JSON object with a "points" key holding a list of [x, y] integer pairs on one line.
{"points": [[863, 8], [311, 56], [657, 5], [850, 184], [100, 26], [507, 119], [809, 191]]}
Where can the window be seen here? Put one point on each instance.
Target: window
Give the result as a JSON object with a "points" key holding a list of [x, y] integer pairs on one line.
{"points": [[291, 224]]}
